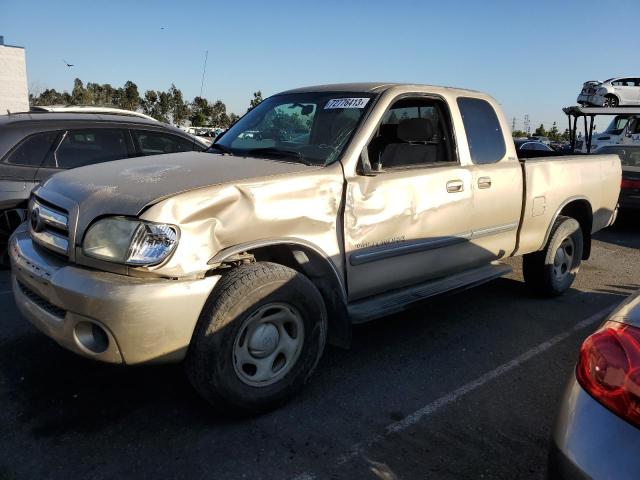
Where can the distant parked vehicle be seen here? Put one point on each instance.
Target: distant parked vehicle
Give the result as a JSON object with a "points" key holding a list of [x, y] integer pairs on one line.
{"points": [[540, 138], [597, 434], [47, 140], [528, 148], [614, 92], [630, 187], [623, 130]]}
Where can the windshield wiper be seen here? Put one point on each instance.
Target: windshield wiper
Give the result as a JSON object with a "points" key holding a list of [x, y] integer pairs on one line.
{"points": [[276, 152]]}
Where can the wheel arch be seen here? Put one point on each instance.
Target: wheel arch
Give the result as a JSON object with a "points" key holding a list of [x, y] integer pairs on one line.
{"points": [[580, 209], [310, 260]]}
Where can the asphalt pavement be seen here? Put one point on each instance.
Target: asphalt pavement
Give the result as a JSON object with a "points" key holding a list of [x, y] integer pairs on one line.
{"points": [[466, 386]]}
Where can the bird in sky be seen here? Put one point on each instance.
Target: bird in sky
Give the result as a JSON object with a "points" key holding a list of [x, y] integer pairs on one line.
{"points": [[67, 64]]}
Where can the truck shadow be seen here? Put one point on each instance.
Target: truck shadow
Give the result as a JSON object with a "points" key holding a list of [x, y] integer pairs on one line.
{"points": [[624, 232], [54, 392]]}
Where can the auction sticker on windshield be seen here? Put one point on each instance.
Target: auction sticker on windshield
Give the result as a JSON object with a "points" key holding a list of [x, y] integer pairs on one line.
{"points": [[346, 103]]}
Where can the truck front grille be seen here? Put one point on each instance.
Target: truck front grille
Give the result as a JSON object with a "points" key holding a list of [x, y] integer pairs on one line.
{"points": [[49, 226], [43, 303]]}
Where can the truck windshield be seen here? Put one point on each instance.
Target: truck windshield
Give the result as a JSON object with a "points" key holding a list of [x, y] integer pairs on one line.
{"points": [[311, 127], [617, 125]]}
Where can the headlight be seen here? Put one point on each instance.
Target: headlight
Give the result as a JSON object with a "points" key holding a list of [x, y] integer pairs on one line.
{"points": [[130, 241]]}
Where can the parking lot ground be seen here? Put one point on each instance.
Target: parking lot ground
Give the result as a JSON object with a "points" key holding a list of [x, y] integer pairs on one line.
{"points": [[466, 386]]}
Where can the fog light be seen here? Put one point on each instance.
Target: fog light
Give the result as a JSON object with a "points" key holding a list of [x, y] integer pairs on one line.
{"points": [[92, 337]]}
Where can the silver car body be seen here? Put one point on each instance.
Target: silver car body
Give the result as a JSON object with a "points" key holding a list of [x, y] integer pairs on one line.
{"points": [[625, 89], [357, 236]]}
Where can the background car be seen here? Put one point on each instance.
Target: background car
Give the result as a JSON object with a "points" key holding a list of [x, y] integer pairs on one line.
{"points": [[529, 148], [39, 143], [630, 188], [597, 434], [614, 92]]}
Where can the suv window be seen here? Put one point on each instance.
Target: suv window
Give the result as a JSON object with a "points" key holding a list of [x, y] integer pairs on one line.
{"points": [[33, 150], [413, 132], [153, 143], [89, 146], [484, 134]]}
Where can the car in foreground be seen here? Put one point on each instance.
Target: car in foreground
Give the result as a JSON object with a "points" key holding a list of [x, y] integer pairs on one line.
{"points": [[630, 186], [597, 434], [614, 92], [244, 261], [34, 145]]}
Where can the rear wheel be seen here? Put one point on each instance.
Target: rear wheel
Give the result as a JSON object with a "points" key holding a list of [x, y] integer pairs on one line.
{"points": [[9, 221], [610, 101], [551, 271], [258, 339]]}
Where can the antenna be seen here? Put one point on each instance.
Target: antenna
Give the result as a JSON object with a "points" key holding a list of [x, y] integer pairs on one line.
{"points": [[204, 70]]}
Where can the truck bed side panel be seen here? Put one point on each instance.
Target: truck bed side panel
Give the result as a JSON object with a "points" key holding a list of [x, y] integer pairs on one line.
{"points": [[552, 183]]}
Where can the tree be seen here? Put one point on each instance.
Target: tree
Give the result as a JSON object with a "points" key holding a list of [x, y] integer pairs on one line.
{"points": [[540, 131], [129, 96], [233, 118], [200, 111], [149, 102], [179, 110], [554, 133], [518, 134], [79, 95], [257, 98]]}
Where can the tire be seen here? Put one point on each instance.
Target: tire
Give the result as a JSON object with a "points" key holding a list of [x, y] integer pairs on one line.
{"points": [[233, 342], [9, 221], [610, 101], [551, 271]]}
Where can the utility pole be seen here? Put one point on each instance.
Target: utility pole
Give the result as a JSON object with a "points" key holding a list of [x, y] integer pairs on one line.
{"points": [[206, 55], [527, 125], [513, 125]]}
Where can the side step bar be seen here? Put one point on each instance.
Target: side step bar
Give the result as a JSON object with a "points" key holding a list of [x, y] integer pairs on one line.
{"points": [[401, 299]]}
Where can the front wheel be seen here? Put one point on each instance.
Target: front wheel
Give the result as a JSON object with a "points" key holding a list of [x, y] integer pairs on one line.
{"points": [[258, 339], [551, 271]]}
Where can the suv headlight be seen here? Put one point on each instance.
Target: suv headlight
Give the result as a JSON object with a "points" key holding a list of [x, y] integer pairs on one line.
{"points": [[130, 241]]}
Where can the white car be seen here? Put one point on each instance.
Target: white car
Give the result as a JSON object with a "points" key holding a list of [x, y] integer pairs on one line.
{"points": [[614, 92]]}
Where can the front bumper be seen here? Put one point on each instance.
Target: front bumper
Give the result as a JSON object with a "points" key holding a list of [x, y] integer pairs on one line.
{"points": [[591, 442], [138, 320]]}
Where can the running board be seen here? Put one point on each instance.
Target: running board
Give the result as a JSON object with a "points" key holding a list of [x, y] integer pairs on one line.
{"points": [[398, 300]]}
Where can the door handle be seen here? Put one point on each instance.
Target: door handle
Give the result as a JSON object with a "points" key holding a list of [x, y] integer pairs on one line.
{"points": [[454, 186], [484, 182]]}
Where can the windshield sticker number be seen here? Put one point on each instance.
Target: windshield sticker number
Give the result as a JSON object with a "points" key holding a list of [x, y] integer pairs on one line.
{"points": [[346, 103]]}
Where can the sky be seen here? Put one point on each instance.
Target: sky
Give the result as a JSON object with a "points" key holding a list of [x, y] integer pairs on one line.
{"points": [[532, 57]]}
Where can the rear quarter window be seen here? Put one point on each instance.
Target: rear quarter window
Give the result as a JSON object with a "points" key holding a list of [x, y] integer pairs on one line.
{"points": [[32, 150], [484, 134]]}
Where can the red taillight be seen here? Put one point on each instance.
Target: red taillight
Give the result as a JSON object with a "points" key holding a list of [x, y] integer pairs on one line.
{"points": [[609, 369], [629, 184]]}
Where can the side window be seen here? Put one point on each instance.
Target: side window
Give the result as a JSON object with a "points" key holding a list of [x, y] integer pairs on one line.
{"points": [[413, 132], [154, 143], [33, 150], [89, 146], [484, 135]]}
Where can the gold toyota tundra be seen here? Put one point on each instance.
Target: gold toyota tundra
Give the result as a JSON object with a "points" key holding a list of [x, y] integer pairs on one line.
{"points": [[322, 207]]}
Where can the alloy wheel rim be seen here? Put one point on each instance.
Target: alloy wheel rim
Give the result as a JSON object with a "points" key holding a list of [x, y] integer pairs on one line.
{"points": [[268, 344]]}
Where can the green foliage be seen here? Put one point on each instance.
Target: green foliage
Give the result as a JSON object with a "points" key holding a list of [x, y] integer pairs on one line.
{"points": [[166, 106], [256, 100], [518, 134]]}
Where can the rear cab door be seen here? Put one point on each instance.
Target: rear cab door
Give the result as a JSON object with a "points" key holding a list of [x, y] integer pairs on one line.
{"points": [[497, 178]]}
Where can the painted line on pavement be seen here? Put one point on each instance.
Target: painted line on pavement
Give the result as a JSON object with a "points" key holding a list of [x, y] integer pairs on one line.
{"points": [[451, 397]]}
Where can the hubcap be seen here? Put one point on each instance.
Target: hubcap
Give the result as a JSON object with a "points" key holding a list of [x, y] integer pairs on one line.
{"points": [[563, 260], [268, 344]]}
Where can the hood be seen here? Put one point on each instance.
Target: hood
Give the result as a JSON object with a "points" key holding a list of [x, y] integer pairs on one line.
{"points": [[126, 187]]}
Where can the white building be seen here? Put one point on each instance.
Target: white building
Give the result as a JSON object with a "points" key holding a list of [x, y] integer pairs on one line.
{"points": [[14, 95]]}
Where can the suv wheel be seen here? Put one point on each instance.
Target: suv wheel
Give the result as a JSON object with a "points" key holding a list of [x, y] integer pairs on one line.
{"points": [[259, 338]]}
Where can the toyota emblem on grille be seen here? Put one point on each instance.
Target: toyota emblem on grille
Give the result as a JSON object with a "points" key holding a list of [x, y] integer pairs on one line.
{"points": [[36, 224]]}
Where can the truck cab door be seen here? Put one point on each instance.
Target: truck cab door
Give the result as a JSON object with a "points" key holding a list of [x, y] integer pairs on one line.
{"points": [[408, 221], [497, 179]]}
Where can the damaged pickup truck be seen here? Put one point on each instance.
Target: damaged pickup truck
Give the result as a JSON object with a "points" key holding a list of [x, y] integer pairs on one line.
{"points": [[320, 208]]}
